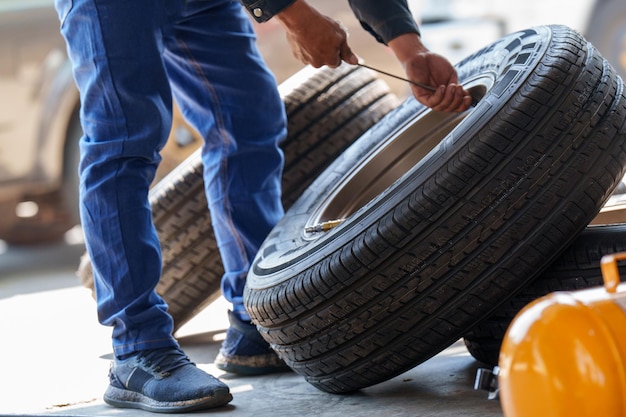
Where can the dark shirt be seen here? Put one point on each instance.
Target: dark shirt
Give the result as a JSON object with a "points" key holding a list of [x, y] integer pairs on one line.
{"points": [[384, 19]]}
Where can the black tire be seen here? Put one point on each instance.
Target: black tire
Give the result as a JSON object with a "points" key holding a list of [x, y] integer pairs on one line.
{"points": [[577, 268], [446, 215], [326, 110], [57, 211], [607, 32]]}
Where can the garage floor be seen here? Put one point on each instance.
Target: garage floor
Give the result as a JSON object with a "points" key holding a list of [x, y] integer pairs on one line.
{"points": [[55, 358]]}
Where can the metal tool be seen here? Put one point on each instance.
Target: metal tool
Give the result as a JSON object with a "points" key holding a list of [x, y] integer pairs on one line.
{"points": [[487, 380], [421, 85], [418, 84]]}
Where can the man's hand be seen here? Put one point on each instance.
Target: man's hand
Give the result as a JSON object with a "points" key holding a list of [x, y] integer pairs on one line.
{"points": [[432, 69], [315, 39]]}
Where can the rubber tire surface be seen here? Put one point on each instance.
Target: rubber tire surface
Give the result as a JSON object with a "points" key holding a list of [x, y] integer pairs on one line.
{"points": [[576, 269], [326, 110], [482, 214]]}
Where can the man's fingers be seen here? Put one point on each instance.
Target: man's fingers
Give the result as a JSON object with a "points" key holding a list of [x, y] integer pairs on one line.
{"points": [[450, 98], [347, 54]]}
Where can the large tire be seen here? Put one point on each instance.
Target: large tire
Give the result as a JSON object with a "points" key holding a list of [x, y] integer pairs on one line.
{"points": [[326, 110], [577, 268], [444, 215]]}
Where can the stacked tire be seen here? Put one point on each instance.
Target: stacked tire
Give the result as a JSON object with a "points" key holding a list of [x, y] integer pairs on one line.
{"points": [[442, 218], [576, 269]]}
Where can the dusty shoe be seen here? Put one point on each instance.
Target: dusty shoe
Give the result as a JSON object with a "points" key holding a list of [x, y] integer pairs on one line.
{"points": [[245, 352], [163, 381]]}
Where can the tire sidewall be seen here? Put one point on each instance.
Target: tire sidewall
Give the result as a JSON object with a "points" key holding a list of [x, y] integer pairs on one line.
{"points": [[288, 245]]}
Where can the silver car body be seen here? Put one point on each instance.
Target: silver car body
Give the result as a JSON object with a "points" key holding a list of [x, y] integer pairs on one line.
{"points": [[38, 99]]}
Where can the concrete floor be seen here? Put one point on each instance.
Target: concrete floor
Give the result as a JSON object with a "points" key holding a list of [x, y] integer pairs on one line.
{"points": [[55, 357]]}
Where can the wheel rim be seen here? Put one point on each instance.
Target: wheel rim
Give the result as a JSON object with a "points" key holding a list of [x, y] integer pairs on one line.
{"points": [[396, 155]]}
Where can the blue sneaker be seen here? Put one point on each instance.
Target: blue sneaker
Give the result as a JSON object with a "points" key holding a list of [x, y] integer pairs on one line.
{"points": [[163, 381], [245, 352]]}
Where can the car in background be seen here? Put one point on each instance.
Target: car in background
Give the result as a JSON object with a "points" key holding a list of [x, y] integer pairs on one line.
{"points": [[451, 27], [39, 123], [39, 103], [40, 129]]}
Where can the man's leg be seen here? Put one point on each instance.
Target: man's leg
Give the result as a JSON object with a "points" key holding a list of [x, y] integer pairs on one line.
{"points": [[125, 114], [234, 103], [126, 117]]}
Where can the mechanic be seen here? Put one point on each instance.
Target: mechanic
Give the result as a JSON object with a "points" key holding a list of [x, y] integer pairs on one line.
{"points": [[129, 59]]}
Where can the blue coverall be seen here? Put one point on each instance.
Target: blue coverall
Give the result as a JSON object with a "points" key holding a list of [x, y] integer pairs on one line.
{"points": [[130, 57]]}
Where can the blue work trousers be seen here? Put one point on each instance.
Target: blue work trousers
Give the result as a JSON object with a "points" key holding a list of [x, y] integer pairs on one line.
{"points": [[130, 57]]}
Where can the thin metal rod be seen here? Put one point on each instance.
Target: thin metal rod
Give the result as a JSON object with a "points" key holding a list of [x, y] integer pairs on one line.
{"points": [[421, 85]]}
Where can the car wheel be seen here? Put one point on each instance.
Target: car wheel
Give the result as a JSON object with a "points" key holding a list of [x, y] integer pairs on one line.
{"points": [[326, 111], [440, 217], [49, 216]]}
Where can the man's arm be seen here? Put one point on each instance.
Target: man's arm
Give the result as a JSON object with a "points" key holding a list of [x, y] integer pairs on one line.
{"points": [[314, 38], [264, 10], [318, 40], [385, 20], [392, 23], [426, 67]]}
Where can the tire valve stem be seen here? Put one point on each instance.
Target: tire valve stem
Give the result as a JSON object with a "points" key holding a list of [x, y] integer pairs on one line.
{"points": [[324, 226]]}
